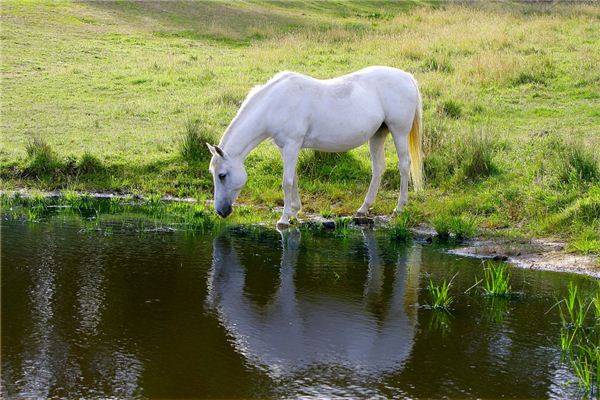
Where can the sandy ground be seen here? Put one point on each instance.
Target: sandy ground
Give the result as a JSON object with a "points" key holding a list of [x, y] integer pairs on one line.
{"points": [[542, 254]]}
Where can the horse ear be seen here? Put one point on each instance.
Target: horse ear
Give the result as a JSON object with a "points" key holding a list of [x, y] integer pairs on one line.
{"points": [[212, 149], [220, 152], [216, 151]]}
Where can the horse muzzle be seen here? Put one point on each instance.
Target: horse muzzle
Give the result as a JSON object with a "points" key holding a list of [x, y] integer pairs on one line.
{"points": [[224, 211]]}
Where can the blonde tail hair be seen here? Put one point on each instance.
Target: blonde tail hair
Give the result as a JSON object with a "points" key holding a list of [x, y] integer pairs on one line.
{"points": [[414, 144]]}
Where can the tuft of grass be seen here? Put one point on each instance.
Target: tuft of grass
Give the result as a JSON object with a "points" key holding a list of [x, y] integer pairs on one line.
{"points": [[400, 231], [477, 151], [193, 144], [496, 280], [573, 309], [437, 64], [440, 294], [41, 158], [580, 165], [342, 226], [587, 241], [578, 341], [454, 227], [327, 214], [453, 157], [78, 201], [89, 164], [451, 109]]}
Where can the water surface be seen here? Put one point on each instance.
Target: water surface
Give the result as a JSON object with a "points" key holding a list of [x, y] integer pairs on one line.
{"points": [[117, 311]]}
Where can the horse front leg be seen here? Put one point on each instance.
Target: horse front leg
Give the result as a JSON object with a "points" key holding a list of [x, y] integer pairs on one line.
{"points": [[290, 159], [376, 147]]}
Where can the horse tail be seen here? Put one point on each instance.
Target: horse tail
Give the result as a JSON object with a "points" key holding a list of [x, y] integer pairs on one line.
{"points": [[414, 143]]}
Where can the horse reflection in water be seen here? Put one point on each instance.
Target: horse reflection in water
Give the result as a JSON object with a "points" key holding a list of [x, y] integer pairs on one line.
{"points": [[302, 328]]}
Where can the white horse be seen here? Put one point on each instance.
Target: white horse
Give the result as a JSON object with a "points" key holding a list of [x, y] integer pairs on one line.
{"points": [[297, 111]]}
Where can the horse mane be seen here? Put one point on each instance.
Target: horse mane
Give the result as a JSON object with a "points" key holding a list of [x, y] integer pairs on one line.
{"points": [[256, 92]]}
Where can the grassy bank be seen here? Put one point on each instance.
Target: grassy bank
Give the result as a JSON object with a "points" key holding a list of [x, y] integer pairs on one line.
{"points": [[115, 96]]}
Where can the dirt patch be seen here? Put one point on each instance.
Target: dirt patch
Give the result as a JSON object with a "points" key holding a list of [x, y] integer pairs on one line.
{"points": [[540, 254]]}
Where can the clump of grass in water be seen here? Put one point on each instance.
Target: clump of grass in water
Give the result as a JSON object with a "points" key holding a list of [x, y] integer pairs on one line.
{"points": [[400, 231], [193, 145], [342, 226], [496, 280], [572, 309], [78, 201], [579, 342], [440, 294]]}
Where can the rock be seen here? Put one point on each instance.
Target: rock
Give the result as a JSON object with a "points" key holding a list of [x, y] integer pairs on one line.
{"points": [[328, 224], [500, 258], [364, 221]]}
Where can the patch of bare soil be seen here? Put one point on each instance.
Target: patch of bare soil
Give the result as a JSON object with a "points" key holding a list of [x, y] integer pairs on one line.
{"points": [[541, 254]]}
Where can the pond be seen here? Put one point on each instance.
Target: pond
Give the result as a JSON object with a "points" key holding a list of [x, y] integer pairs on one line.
{"points": [[248, 312]]}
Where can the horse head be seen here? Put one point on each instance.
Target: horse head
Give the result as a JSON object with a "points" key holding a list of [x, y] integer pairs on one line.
{"points": [[229, 177]]}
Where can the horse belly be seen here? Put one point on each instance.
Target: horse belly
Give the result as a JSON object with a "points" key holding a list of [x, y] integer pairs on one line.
{"points": [[337, 129]]}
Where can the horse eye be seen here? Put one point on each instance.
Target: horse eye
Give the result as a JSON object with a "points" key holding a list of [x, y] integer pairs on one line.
{"points": [[222, 176]]}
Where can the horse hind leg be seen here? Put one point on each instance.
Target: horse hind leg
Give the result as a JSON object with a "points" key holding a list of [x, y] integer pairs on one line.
{"points": [[400, 134], [376, 147]]}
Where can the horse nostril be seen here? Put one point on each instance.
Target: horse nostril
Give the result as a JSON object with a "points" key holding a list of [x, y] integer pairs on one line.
{"points": [[224, 212]]}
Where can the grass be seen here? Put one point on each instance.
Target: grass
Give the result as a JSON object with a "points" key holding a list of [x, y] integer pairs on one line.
{"points": [[580, 339], [510, 118], [496, 280], [440, 294], [400, 230], [454, 228], [573, 309], [193, 143]]}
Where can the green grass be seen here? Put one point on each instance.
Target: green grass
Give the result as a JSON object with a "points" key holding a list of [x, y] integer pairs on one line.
{"points": [[496, 280], [400, 229], [98, 96], [440, 294], [454, 228], [580, 337], [573, 309]]}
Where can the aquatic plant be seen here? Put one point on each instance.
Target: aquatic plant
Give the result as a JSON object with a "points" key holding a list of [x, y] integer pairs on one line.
{"points": [[580, 343], [440, 294], [78, 201], [596, 302], [342, 226], [400, 231], [496, 279], [154, 200], [572, 309]]}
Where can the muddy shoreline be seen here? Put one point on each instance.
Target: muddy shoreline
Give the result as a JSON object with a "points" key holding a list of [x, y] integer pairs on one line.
{"points": [[537, 254]]}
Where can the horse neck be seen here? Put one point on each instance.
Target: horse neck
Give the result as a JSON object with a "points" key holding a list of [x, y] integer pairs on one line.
{"points": [[243, 134]]}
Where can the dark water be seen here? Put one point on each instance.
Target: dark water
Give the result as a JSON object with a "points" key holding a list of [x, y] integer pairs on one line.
{"points": [[252, 313]]}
